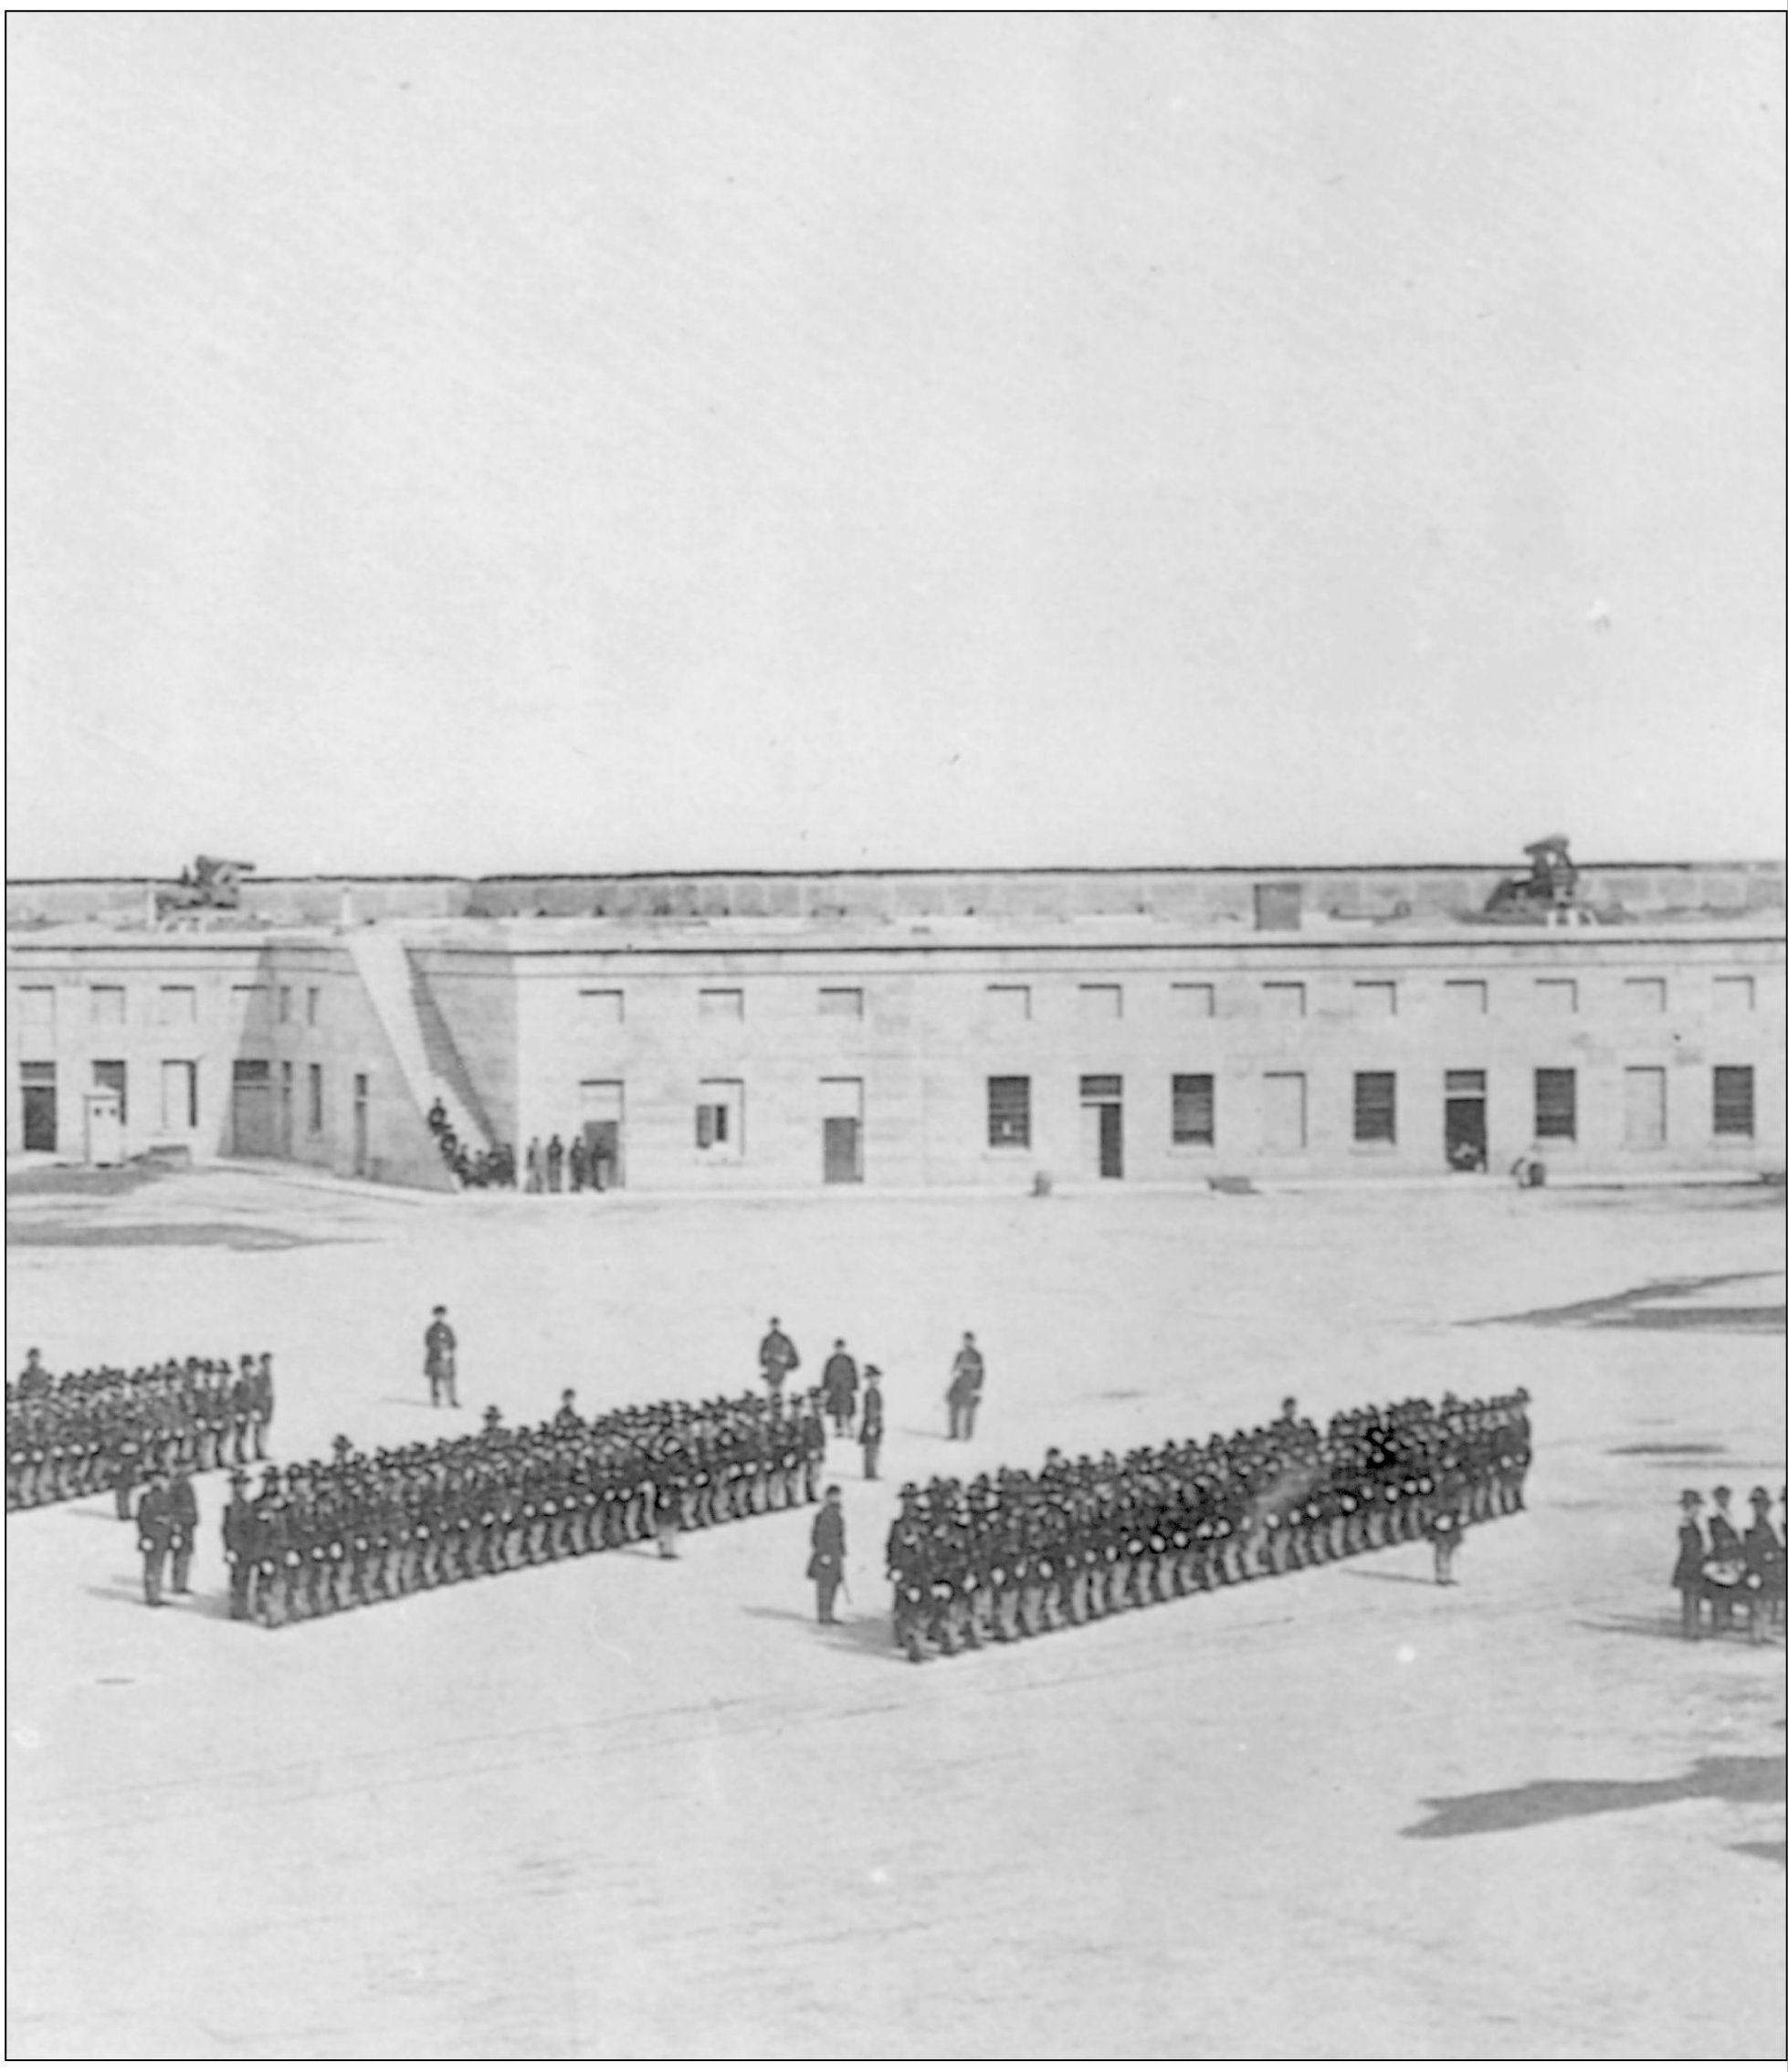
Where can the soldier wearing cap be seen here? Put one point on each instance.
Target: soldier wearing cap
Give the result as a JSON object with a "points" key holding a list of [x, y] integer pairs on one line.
{"points": [[871, 1428], [1763, 1565], [1686, 1577], [439, 1357], [240, 1544], [826, 1566], [776, 1359], [183, 1518], [154, 1536]]}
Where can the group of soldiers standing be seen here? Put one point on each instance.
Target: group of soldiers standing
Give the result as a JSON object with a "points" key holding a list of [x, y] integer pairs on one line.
{"points": [[1721, 1564], [494, 1167], [1014, 1555], [327, 1536], [114, 1428]]}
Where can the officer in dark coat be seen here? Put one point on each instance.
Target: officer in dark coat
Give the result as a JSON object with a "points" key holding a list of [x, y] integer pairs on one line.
{"points": [[871, 1427], [154, 1535], [239, 1543], [439, 1351], [838, 1385], [1691, 1558], [183, 1513], [826, 1564], [776, 1359]]}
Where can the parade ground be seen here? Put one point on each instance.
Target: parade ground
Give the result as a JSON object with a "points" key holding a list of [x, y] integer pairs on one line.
{"points": [[621, 1806]]}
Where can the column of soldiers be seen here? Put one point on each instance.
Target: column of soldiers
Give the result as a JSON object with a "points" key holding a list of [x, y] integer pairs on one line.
{"points": [[322, 1537], [492, 1168], [1015, 1554], [113, 1428]]}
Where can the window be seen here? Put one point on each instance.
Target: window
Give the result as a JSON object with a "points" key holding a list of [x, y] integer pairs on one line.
{"points": [[179, 1005], [1283, 1111], [1734, 1101], [1375, 1107], [722, 1004], [1198, 1000], [1735, 995], [841, 1126], [603, 1007], [285, 1004], [1466, 997], [1555, 995], [845, 1000], [179, 1094], [1194, 1108], [1102, 1002], [1283, 1000], [109, 1074], [36, 1082], [1555, 1104], [1009, 1002], [251, 1072], [1645, 995], [1102, 1086], [719, 1117], [314, 1117], [36, 1006], [1375, 999], [106, 1005], [313, 1006], [1008, 1114]]}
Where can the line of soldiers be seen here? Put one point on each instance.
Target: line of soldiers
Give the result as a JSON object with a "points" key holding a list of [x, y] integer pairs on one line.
{"points": [[1014, 1555], [110, 1427], [491, 1168], [322, 1537]]}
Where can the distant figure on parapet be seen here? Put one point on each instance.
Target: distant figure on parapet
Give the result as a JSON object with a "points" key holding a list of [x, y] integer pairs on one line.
{"points": [[439, 1350]]}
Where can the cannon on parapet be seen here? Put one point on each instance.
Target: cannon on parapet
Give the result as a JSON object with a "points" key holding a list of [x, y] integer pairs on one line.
{"points": [[210, 883], [1549, 888]]}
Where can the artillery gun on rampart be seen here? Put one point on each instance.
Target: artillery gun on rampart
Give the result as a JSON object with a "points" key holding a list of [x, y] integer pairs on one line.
{"points": [[211, 884]]}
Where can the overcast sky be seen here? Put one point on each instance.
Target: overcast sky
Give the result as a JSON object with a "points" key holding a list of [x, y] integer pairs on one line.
{"points": [[569, 442]]}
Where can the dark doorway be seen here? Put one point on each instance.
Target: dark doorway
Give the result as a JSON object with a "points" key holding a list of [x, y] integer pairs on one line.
{"points": [[1467, 1125], [844, 1148], [360, 1160], [286, 1071], [1102, 1123], [37, 1085], [253, 1130], [601, 1142]]}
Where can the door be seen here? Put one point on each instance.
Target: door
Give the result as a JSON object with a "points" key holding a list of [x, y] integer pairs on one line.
{"points": [[1467, 1128], [286, 1071], [361, 1126], [841, 1113], [179, 1094], [1645, 1107], [601, 1101], [105, 1128], [37, 1085], [253, 1130], [1102, 1125], [1282, 1111]]}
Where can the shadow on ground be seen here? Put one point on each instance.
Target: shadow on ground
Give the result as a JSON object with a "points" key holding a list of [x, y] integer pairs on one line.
{"points": [[84, 1180], [1647, 1307], [1738, 1780], [864, 1633], [235, 1236]]}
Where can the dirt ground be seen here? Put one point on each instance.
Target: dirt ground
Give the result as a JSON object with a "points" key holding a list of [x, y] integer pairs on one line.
{"points": [[620, 1807]]}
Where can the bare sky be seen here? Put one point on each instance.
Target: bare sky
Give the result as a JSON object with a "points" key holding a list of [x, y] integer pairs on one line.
{"points": [[580, 442]]}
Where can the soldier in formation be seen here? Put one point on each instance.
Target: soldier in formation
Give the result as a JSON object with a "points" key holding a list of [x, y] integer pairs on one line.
{"points": [[326, 1536], [108, 1427], [1014, 1554]]}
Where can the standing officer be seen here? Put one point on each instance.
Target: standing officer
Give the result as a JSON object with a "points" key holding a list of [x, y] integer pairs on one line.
{"points": [[967, 1373], [239, 1542], [154, 1533], [837, 1386], [439, 1347], [1686, 1578], [869, 1431], [776, 1359], [183, 1514], [826, 1566]]}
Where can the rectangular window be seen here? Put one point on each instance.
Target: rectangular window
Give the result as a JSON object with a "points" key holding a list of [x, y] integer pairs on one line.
{"points": [[1462, 1083], [722, 1004], [315, 1113], [1643, 1107], [1645, 995], [1198, 1000], [1008, 1114], [719, 1119], [603, 1007], [36, 1006], [1279, 906], [252, 1072], [1102, 1002], [1194, 1108], [106, 1005], [1555, 1104], [179, 1005], [1009, 1002], [313, 1006], [285, 1004], [36, 1082], [108, 1073], [1283, 1111], [1375, 1000], [179, 1094], [1283, 1000], [844, 1000], [841, 1130], [1555, 995], [1468, 996], [1735, 995], [1102, 1086], [1375, 1107], [1734, 1101]]}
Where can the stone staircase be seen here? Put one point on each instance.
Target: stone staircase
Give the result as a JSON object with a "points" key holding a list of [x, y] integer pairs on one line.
{"points": [[418, 1034]]}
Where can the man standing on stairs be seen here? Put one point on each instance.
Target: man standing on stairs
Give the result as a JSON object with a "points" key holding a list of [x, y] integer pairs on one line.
{"points": [[555, 1163], [439, 1347]]}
